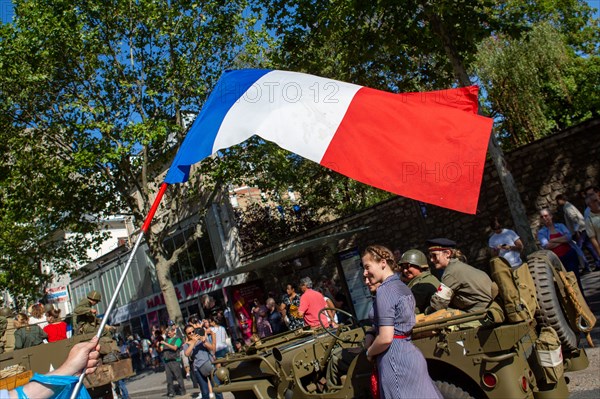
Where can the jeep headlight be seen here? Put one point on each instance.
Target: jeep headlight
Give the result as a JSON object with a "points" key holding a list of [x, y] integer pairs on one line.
{"points": [[222, 374]]}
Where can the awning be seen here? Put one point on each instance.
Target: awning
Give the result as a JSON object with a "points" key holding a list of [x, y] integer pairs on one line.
{"points": [[291, 252]]}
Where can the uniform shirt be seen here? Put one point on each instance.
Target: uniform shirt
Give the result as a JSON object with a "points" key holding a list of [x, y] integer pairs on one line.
{"points": [[463, 287], [506, 237], [423, 287], [31, 335], [9, 335], [83, 314]]}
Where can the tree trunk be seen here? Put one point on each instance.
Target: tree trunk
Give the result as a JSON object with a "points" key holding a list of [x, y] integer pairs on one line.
{"points": [[168, 290], [515, 204]]}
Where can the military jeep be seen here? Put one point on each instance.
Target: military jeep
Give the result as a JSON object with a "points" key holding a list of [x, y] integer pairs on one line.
{"points": [[493, 361]]}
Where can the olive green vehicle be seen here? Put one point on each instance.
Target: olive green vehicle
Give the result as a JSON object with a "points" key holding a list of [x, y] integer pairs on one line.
{"points": [[46, 357], [495, 361]]}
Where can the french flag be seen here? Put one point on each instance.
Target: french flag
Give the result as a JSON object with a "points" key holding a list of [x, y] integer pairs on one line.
{"points": [[428, 146]]}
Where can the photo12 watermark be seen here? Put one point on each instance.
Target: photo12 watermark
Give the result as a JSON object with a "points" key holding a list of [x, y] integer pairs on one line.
{"points": [[437, 172], [320, 91]]}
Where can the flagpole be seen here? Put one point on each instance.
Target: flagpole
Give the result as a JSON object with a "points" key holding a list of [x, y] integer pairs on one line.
{"points": [[121, 281]]}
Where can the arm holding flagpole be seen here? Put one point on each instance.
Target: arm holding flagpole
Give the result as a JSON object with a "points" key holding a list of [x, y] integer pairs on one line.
{"points": [[113, 299]]}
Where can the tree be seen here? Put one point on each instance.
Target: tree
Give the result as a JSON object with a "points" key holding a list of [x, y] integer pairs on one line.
{"points": [[275, 171], [113, 82], [42, 193], [518, 73], [416, 45], [262, 225]]}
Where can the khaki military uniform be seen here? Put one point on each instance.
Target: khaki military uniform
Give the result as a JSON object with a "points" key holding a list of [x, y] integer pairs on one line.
{"points": [[8, 339], [84, 321], [3, 324], [463, 287], [423, 287]]}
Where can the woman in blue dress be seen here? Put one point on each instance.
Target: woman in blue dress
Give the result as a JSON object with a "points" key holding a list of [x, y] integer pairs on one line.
{"points": [[401, 366]]}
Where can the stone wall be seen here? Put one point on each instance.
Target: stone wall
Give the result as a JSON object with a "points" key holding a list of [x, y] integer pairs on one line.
{"points": [[565, 162]]}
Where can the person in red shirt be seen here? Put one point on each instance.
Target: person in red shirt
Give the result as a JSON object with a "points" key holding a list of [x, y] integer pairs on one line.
{"points": [[311, 302], [56, 328]]}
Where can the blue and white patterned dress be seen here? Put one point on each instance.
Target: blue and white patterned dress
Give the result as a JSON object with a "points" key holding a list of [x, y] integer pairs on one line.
{"points": [[402, 367]]}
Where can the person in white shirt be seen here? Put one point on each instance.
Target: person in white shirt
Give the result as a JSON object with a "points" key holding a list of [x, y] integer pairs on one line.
{"points": [[505, 243], [220, 337]]}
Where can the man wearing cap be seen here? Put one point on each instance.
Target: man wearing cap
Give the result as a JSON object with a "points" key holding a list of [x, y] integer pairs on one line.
{"points": [[423, 284], [463, 286], [84, 315]]}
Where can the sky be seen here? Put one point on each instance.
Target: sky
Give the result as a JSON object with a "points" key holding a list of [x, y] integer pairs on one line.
{"points": [[6, 9]]}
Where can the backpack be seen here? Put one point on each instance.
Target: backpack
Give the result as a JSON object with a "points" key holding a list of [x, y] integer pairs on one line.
{"points": [[134, 347], [549, 354], [516, 289]]}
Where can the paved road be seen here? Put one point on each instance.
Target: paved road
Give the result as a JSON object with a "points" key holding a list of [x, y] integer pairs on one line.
{"points": [[584, 384], [151, 385]]}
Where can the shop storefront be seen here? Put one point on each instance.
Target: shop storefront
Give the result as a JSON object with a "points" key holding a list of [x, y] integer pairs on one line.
{"points": [[141, 316]]}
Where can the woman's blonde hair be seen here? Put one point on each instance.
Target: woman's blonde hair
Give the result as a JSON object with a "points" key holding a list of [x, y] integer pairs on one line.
{"points": [[21, 320], [37, 310], [457, 254]]}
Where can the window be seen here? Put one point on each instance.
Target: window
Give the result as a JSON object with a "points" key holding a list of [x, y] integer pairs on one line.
{"points": [[197, 259]]}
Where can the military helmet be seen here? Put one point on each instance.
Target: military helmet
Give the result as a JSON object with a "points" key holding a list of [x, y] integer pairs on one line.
{"points": [[94, 296], [414, 257], [5, 312]]}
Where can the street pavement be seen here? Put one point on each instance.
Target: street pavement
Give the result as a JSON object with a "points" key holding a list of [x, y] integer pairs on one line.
{"points": [[153, 385], [584, 384]]}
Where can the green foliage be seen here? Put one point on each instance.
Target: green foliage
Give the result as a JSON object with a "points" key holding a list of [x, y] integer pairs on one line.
{"points": [[325, 193], [421, 44], [96, 92], [533, 83], [262, 225]]}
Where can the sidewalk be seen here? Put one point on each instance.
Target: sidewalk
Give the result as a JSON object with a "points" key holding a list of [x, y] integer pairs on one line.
{"points": [[585, 384], [150, 385]]}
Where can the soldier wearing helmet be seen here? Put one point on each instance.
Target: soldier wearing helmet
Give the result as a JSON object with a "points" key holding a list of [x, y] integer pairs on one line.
{"points": [[84, 315], [415, 269]]}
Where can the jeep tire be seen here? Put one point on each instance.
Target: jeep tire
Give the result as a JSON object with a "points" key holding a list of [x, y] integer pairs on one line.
{"points": [[451, 391], [550, 312]]}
